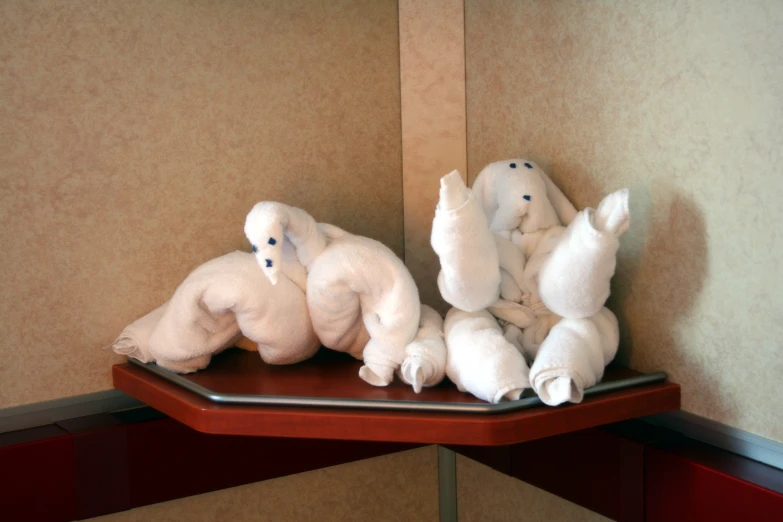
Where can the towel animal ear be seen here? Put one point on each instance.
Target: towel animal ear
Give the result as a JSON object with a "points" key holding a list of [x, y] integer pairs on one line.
{"points": [[516, 194]]}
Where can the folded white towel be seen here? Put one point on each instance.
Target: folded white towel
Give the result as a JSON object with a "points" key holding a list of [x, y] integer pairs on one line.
{"points": [[574, 279], [553, 263], [358, 278], [217, 303], [425, 356], [480, 360], [361, 297], [470, 272], [573, 357], [134, 340]]}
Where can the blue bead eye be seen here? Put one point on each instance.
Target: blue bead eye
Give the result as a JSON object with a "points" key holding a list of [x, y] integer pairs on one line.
{"points": [[528, 165], [526, 197], [272, 241], [268, 263], [513, 165], [255, 249]]}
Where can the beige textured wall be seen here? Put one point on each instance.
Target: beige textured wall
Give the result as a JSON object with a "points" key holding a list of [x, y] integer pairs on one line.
{"points": [[682, 102], [432, 84], [135, 136], [485, 494], [403, 486]]}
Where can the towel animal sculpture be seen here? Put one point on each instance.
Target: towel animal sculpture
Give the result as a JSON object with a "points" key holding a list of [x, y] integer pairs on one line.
{"points": [[528, 277], [361, 298], [223, 302], [425, 356]]}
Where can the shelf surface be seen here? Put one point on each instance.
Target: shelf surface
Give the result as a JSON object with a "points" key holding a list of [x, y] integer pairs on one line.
{"points": [[330, 376], [329, 380]]}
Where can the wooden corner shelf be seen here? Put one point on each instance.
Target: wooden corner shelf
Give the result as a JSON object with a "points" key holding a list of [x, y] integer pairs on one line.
{"points": [[243, 372]]}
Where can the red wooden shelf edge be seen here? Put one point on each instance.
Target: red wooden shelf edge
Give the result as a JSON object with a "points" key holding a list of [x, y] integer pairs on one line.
{"points": [[392, 426]]}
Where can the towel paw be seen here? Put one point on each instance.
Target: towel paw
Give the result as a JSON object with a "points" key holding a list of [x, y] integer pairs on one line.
{"points": [[453, 192], [554, 392], [380, 376], [612, 214], [514, 313], [416, 377], [514, 335], [419, 372]]}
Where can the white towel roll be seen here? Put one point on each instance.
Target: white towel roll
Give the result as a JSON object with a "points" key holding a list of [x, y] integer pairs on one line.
{"points": [[574, 281], [425, 356], [573, 357], [470, 272], [480, 360]]}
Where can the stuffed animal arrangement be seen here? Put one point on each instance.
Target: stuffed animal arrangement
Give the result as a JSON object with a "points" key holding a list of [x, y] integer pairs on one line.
{"points": [[528, 277], [526, 274]]}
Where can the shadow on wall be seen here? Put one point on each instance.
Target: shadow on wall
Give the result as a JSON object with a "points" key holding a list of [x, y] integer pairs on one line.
{"points": [[661, 271]]}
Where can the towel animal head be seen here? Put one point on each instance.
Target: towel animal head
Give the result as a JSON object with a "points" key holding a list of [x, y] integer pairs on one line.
{"points": [[517, 194], [264, 230], [273, 228]]}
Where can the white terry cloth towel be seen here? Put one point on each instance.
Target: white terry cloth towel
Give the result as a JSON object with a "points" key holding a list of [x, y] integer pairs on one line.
{"points": [[512, 269], [270, 224], [361, 297], [573, 357], [218, 302], [470, 274], [134, 340], [425, 356], [569, 269], [517, 194], [480, 360], [360, 279], [574, 279]]}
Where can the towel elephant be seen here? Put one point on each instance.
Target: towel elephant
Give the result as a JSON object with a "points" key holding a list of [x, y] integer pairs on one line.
{"points": [[514, 245]]}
